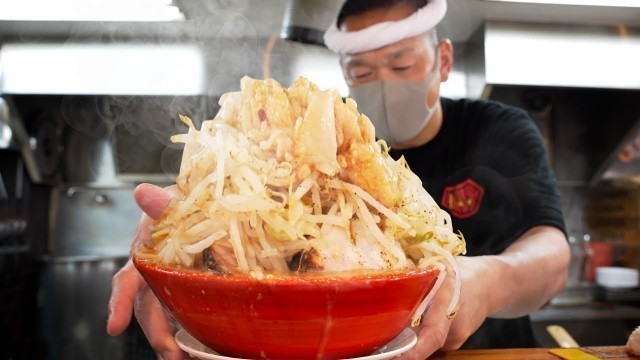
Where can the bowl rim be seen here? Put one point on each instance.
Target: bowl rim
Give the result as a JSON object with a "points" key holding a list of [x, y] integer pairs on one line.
{"points": [[293, 279]]}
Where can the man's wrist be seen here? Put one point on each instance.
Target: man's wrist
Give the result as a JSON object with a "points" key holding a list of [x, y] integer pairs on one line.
{"points": [[495, 275]]}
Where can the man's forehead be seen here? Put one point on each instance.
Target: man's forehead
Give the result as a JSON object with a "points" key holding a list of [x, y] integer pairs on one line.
{"points": [[397, 49], [360, 29], [369, 18]]}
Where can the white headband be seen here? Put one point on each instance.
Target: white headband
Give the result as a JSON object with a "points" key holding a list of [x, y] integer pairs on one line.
{"points": [[385, 33]]}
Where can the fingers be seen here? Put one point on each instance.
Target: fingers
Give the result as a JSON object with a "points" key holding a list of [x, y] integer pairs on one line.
{"points": [[127, 282], [124, 286], [129, 292], [435, 325], [156, 325], [153, 200], [433, 333]]}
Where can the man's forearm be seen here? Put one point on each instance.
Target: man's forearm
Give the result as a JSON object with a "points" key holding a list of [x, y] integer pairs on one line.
{"points": [[529, 272]]}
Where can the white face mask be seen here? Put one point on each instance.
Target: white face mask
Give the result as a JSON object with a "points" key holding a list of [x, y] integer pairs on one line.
{"points": [[397, 108]]}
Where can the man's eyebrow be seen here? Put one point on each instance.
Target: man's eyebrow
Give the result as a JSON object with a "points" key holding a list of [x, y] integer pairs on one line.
{"points": [[357, 62], [399, 53]]}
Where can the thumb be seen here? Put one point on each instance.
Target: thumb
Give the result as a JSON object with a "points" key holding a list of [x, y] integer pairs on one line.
{"points": [[153, 200]]}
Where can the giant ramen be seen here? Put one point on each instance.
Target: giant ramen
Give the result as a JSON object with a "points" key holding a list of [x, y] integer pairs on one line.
{"points": [[291, 182]]}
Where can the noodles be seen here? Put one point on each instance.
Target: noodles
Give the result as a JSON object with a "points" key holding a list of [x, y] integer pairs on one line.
{"points": [[285, 176]]}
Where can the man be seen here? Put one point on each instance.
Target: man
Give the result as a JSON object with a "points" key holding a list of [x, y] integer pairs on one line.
{"points": [[483, 162]]}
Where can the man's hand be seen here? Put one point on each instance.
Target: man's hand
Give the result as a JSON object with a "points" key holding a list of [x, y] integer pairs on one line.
{"points": [[438, 331], [129, 291], [492, 287]]}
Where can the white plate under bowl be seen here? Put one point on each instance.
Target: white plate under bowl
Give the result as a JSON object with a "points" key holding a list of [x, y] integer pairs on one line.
{"points": [[403, 342]]}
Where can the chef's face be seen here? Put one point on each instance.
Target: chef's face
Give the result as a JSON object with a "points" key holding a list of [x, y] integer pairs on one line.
{"points": [[408, 59]]}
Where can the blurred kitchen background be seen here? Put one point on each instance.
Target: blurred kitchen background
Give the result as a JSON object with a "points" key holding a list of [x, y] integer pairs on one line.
{"points": [[91, 89]]}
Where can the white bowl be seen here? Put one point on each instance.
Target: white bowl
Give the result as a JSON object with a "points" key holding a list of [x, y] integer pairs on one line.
{"points": [[617, 277]]}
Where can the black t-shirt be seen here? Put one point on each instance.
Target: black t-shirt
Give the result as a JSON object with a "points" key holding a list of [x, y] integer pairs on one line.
{"points": [[487, 167]]}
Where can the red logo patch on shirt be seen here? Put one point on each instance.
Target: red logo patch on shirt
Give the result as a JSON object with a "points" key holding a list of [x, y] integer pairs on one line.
{"points": [[462, 200]]}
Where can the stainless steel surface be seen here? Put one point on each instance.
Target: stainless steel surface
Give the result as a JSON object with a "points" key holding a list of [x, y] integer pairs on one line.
{"points": [[587, 312], [555, 56], [555, 41], [628, 296], [74, 297], [205, 19], [624, 160], [90, 161], [12, 226], [251, 18], [3, 189], [465, 16], [6, 135], [576, 294], [306, 20], [23, 140], [578, 260], [102, 68], [93, 222], [107, 141], [590, 325]]}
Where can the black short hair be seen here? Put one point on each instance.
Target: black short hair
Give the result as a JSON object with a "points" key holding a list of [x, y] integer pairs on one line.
{"points": [[357, 7]]}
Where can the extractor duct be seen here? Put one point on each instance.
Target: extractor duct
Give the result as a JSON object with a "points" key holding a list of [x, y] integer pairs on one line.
{"points": [[306, 20]]}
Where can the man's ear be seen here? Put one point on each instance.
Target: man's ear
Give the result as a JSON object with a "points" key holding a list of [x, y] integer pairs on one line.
{"points": [[343, 66], [446, 59]]}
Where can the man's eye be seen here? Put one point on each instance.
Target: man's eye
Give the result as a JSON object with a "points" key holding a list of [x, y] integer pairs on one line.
{"points": [[402, 68], [362, 75]]}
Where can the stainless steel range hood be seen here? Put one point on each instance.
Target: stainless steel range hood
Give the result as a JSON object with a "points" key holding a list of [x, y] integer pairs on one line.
{"points": [[572, 56], [102, 69]]}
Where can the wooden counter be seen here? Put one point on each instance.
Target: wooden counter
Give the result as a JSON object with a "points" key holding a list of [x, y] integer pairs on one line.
{"points": [[497, 354], [602, 352]]}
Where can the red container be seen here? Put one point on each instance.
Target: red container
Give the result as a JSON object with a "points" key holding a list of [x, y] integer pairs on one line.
{"points": [[598, 254], [290, 317]]}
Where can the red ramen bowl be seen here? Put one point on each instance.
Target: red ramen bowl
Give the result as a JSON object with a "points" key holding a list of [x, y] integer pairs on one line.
{"points": [[290, 317]]}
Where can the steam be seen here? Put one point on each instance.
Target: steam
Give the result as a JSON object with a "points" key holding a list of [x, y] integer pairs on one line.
{"points": [[235, 38], [139, 127]]}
